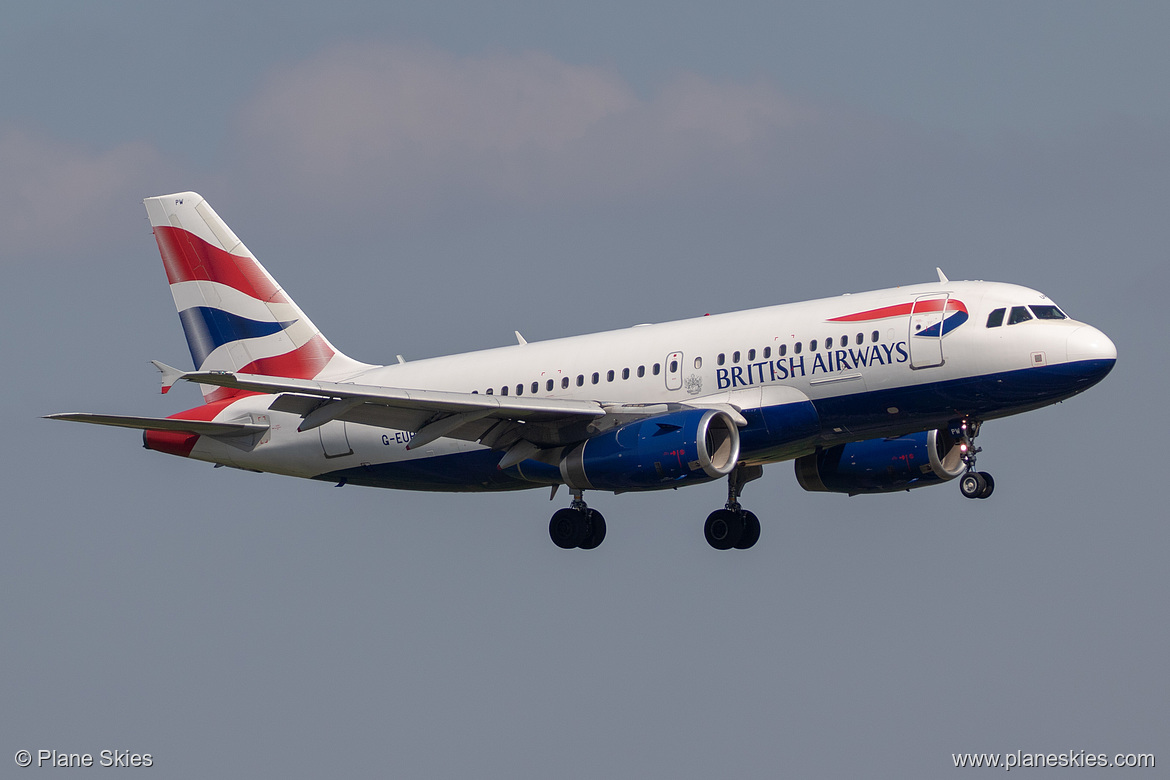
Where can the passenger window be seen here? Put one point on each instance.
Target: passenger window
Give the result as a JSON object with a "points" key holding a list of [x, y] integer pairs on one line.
{"points": [[475, 392], [698, 362], [735, 357], [548, 386], [519, 389], [721, 359], [655, 369], [1047, 313], [844, 341], [767, 352], [995, 319], [874, 337], [796, 348], [596, 377], [536, 386], [783, 350], [751, 355], [812, 346], [641, 371], [1019, 314], [580, 380], [504, 390], [609, 375], [829, 343], [489, 391], [625, 373], [565, 383], [673, 366], [860, 339]]}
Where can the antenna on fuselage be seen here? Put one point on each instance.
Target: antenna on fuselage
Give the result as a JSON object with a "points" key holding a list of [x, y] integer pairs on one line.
{"points": [[941, 276]]}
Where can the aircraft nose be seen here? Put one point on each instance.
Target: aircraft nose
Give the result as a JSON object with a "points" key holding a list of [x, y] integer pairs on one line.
{"points": [[1088, 343]]}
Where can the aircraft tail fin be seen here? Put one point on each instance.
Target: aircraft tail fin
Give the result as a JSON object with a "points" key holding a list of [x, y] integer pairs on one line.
{"points": [[234, 314]]}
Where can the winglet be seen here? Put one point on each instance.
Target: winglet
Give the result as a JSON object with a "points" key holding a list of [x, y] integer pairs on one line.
{"points": [[942, 278], [170, 375]]}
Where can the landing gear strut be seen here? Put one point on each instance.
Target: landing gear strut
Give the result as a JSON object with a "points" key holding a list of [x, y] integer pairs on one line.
{"points": [[734, 526], [578, 526], [973, 484]]}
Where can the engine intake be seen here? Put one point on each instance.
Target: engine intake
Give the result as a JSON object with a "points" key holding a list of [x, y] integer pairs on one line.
{"points": [[882, 465], [696, 445]]}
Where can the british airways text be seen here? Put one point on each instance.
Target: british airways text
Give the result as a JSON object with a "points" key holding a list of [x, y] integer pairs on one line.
{"points": [[805, 365]]}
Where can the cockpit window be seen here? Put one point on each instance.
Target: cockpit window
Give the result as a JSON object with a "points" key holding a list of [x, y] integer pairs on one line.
{"points": [[995, 319], [1019, 314], [1047, 313]]}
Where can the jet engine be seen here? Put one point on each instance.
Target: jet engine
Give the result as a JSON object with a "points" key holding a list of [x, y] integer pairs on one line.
{"points": [[696, 445], [882, 465]]}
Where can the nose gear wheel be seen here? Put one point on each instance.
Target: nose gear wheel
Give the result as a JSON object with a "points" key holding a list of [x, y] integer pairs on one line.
{"points": [[973, 484]]}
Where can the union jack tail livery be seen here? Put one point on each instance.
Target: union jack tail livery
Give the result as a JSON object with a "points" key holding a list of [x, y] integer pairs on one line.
{"points": [[234, 314]]}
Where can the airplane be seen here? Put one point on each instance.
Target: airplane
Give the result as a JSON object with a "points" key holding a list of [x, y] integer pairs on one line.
{"points": [[869, 392]]}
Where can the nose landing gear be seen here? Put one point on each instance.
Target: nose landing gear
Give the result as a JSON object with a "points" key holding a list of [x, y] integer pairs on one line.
{"points": [[973, 484]]}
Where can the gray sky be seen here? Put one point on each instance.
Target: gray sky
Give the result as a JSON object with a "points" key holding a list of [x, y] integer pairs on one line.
{"points": [[426, 179]]}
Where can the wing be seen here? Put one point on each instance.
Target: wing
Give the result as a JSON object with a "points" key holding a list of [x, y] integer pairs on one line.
{"points": [[499, 422], [523, 427]]}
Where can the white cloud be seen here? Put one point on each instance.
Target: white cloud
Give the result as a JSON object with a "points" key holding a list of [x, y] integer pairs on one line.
{"points": [[418, 123], [58, 196], [404, 126]]}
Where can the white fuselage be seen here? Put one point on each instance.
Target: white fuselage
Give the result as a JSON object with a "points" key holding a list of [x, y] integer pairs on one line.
{"points": [[867, 377]]}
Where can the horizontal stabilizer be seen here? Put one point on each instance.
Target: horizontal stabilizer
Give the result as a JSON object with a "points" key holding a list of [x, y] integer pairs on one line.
{"points": [[199, 427], [170, 375]]}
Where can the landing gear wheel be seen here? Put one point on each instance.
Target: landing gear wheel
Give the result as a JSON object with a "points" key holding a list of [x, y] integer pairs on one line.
{"points": [[973, 484], [568, 528], [723, 529], [751, 531], [989, 486], [596, 533]]}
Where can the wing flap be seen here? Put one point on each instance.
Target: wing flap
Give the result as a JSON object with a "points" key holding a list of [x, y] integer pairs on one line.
{"points": [[434, 401]]}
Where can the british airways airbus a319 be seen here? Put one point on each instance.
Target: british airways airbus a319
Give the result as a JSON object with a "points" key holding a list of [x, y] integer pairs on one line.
{"points": [[868, 393]]}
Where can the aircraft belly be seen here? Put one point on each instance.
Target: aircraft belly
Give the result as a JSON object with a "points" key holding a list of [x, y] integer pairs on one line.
{"points": [[902, 409], [473, 472]]}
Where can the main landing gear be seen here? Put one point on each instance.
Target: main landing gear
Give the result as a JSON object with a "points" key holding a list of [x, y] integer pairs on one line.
{"points": [[578, 526], [733, 526], [973, 484]]}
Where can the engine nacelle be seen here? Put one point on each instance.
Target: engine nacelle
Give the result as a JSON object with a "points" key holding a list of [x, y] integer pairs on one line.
{"points": [[697, 445], [882, 465]]}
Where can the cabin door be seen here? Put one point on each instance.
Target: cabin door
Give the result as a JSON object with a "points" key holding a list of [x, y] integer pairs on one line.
{"points": [[926, 330], [674, 371]]}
